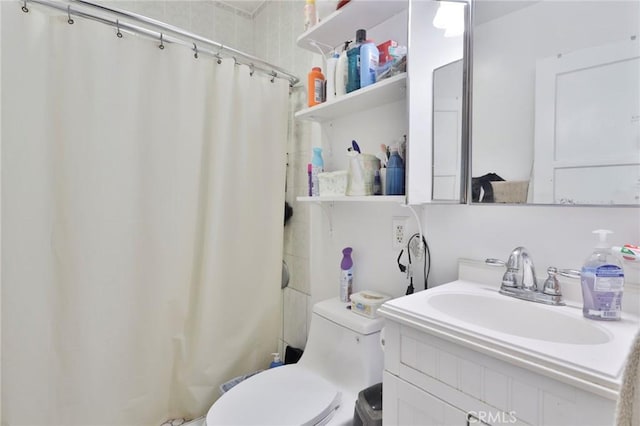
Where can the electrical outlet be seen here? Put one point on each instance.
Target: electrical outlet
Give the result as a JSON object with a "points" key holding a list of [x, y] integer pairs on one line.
{"points": [[399, 230]]}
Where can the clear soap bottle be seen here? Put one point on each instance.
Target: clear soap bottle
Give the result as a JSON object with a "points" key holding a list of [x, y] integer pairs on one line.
{"points": [[602, 280]]}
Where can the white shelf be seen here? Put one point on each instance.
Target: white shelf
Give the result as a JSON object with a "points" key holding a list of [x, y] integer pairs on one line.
{"points": [[342, 24], [383, 92], [399, 199]]}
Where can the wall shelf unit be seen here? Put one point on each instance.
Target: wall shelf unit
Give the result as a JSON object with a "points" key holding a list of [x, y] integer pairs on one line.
{"points": [[332, 31], [383, 92]]}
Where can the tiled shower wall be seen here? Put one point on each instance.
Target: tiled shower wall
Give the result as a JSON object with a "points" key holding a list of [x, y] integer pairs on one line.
{"points": [[277, 26]]}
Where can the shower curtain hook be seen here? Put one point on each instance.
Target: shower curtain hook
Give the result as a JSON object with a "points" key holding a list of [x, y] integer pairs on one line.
{"points": [[161, 46], [195, 49], [273, 76], [252, 69], [118, 33], [235, 61], [25, 9], [217, 55], [70, 20]]}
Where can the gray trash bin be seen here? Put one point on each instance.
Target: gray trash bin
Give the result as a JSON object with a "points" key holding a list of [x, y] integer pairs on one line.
{"points": [[368, 409]]}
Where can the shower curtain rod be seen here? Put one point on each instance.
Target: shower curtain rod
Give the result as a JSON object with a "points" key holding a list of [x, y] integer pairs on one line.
{"points": [[160, 31]]}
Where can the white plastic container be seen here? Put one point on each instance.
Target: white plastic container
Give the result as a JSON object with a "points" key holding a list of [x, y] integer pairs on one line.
{"points": [[333, 183], [341, 74], [367, 302]]}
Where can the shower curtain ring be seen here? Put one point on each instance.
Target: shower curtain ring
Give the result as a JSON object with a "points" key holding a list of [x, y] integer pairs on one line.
{"points": [[25, 9], [252, 69], [161, 46], [70, 20], [273, 76], [118, 33], [235, 61], [217, 55], [195, 49]]}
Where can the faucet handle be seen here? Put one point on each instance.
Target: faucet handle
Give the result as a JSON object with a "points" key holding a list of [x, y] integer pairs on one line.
{"points": [[551, 284], [495, 262]]}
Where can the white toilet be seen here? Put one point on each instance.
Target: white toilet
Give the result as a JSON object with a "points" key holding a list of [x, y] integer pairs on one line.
{"points": [[343, 356]]}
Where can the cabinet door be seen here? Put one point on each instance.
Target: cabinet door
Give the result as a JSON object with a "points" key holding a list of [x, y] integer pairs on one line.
{"points": [[405, 404]]}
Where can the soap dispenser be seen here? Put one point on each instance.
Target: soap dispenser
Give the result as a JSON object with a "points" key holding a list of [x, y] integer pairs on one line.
{"points": [[602, 279], [277, 362]]}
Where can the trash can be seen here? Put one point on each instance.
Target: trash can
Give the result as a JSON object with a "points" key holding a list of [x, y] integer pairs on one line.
{"points": [[231, 383], [368, 409]]}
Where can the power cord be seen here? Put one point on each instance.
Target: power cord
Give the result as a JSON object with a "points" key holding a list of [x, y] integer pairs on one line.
{"points": [[426, 264]]}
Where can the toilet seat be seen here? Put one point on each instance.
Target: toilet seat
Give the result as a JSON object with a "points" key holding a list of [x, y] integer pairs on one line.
{"points": [[287, 395]]}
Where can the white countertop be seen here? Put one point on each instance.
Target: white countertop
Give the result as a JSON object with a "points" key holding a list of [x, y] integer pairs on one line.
{"points": [[597, 366]]}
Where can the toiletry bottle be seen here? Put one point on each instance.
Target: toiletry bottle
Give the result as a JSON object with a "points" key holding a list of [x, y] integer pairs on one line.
{"points": [[277, 362], [368, 63], [377, 184], [346, 275], [353, 56], [342, 71], [309, 174], [395, 173], [317, 166], [310, 14], [332, 64], [628, 252], [602, 280], [315, 87]]}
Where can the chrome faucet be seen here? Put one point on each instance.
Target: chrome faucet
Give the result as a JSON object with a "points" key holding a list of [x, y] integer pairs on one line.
{"points": [[520, 279]]}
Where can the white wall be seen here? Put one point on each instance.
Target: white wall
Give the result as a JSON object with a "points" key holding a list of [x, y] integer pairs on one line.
{"points": [[555, 235], [504, 72]]}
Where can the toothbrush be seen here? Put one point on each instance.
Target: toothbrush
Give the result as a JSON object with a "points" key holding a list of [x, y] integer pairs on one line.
{"points": [[355, 146]]}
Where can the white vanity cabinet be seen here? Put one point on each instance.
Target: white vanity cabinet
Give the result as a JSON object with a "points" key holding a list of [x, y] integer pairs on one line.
{"points": [[431, 381]]}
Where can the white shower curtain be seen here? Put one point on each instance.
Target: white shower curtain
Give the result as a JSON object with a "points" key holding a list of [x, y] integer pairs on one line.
{"points": [[142, 213]]}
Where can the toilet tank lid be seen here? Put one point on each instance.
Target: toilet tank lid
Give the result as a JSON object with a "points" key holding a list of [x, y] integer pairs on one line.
{"points": [[338, 312]]}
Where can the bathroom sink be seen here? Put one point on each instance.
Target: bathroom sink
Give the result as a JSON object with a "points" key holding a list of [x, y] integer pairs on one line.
{"points": [[520, 318]]}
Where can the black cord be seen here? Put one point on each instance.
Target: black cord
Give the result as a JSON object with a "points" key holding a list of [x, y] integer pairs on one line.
{"points": [[425, 270]]}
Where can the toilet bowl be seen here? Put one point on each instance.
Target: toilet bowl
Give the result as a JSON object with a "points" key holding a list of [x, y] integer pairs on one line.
{"points": [[342, 356]]}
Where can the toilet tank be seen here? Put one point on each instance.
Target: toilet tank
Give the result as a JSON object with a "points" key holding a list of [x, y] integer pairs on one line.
{"points": [[343, 346]]}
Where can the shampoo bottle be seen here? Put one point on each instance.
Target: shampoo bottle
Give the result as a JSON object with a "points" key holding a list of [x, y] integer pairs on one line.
{"points": [[317, 166], [332, 65], [310, 14], [602, 280], [353, 59], [346, 275], [277, 362], [395, 174], [315, 86], [342, 71], [368, 63]]}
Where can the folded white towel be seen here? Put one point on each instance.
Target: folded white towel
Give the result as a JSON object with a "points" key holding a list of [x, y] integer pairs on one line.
{"points": [[628, 409]]}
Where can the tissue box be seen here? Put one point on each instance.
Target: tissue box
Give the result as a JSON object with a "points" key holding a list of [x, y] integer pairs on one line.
{"points": [[332, 183], [367, 303]]}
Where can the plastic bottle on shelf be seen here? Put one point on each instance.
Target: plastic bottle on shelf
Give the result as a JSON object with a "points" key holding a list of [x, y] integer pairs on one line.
{"points": [[317, 166], [315, 86], [332, 64], [342, 71], [395, 173], [310, 14], [353, 55], [346, 275], [369, 55]]}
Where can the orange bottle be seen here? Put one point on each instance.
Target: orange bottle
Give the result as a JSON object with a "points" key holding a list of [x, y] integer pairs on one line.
{"points": [[315, 86]]}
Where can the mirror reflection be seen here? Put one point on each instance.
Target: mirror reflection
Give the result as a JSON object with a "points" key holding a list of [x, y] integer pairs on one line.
{"points": [[556, 102]]}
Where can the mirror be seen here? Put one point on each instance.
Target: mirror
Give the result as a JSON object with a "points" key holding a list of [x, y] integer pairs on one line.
{"points": [[447, 135], [437, 105], [556, 102]]}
